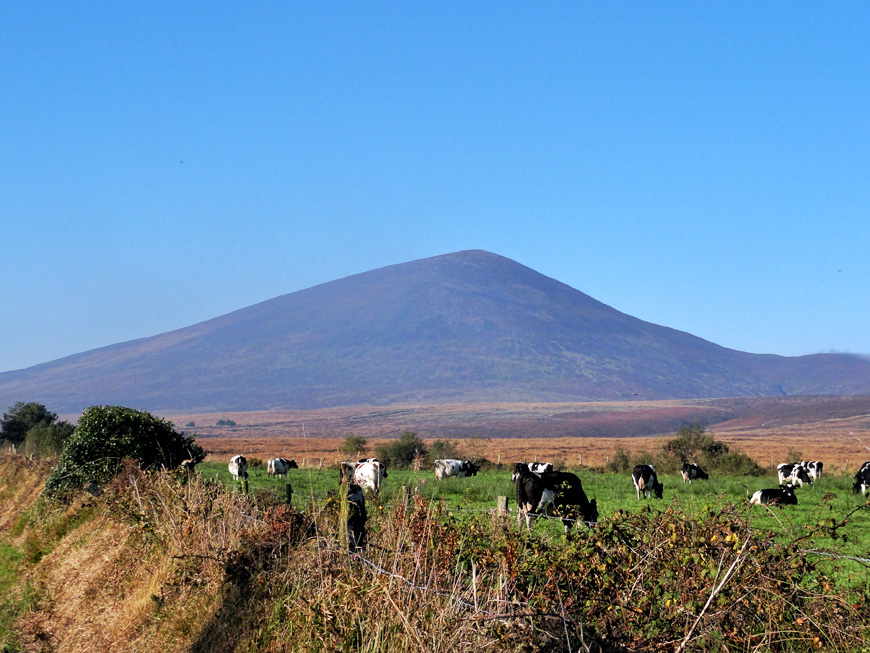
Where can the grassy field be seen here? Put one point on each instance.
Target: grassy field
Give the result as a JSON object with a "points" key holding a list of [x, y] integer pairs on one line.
{"points": [[830, 499]]}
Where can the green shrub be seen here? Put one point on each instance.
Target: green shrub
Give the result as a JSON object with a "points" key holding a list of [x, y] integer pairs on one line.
{"points": [[106, 435], [354, 446], [47, 439], [401, 453], [443, 449]]}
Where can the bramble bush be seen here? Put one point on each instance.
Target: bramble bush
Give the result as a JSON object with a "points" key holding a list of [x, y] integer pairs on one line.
{"points": [[106, 435]]}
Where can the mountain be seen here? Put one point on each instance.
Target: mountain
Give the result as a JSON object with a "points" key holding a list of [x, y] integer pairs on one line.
{"points": [[462, 327]]}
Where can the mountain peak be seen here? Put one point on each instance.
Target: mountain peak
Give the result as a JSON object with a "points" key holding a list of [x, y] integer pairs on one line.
{"points": [[465, 326]]}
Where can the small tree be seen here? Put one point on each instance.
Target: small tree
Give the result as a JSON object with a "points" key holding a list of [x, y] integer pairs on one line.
{"points": [[443, 449], [694, 444], [106, 435], [400, 454], [354, 446], [620, 461], [21, 418]]}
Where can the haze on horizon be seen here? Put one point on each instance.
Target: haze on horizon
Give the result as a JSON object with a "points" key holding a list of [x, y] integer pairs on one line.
{"points": [[698, 167]]}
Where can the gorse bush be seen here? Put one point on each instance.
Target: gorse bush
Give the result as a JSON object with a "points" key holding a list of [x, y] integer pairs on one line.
{"points": [[106, 435]]}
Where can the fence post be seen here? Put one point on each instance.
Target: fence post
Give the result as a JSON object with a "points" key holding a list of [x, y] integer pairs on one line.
{"points": [[245, 486], [289, 490], [502, 506]]}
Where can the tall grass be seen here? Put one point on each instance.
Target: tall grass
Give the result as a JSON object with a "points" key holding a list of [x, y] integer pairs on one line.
{"points": [[205, 567]]}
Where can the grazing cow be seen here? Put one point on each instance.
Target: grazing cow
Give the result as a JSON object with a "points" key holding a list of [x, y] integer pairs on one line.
{"points": [[646, 481], [793, 473], [280, 466], [814, 468], [238, 467], [782, 495], [447, 467], [691, 471], [562, 490], [862, 480], [540, 468], [370, 474], [356, 517]]}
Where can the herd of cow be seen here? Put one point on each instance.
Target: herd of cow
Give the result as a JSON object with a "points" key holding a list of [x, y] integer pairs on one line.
{"points": [[540, 489]]}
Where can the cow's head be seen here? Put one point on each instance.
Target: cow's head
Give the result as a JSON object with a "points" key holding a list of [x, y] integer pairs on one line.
{"points": [[591, 513], [470, 468], [520, 469], [658, 488]]}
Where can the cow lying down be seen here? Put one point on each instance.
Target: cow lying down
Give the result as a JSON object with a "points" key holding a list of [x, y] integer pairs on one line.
{"points": [[782, 495], [537, 493]]}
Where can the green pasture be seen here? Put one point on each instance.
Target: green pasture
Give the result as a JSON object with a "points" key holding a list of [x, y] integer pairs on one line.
{"points": [[831, 498], [819, 509]]}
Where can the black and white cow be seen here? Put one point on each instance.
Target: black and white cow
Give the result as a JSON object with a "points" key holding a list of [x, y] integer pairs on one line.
{"points": [[536, 493], [280, 466], [862, 479], [814, 468], [238, 467], [447, 467], [782, 495], [646, 481], [691, 471], [540, 468], [793, 473], [369, 474], [356, 517]]}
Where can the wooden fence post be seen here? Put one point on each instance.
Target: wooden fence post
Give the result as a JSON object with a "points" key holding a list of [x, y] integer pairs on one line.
{"points": [[289, 490], [245, 486], [502, 506]]}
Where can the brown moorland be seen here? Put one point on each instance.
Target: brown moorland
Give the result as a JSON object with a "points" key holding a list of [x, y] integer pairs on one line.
{"points": [[835, 429]]}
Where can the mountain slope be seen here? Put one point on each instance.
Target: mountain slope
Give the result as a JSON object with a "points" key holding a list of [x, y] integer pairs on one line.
{"points": [[469, 326]]}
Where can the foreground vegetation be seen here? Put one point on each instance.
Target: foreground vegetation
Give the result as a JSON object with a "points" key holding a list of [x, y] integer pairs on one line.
{"points": [[163, 560]]}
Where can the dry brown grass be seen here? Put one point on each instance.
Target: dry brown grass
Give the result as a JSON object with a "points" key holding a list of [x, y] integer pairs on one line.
{"points": [[141, 571], [831, 429], [841, 451]]}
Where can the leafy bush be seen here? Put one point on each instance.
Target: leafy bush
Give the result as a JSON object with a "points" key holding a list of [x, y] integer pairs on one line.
{"points": [[694, 444], [401, 453], [47, 439], [354, 446], [106, 435], [443, 449]]}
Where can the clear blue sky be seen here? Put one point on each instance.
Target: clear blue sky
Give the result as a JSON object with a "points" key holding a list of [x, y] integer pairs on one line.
{"points": [[704, 166]]}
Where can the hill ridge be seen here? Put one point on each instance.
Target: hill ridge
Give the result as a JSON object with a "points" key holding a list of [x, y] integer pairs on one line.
{"points": [[466, 326]]}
